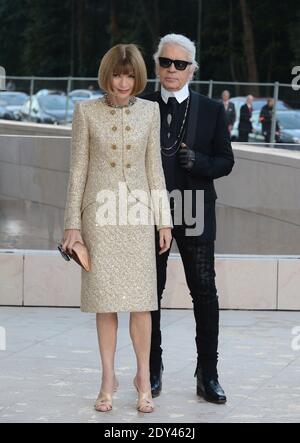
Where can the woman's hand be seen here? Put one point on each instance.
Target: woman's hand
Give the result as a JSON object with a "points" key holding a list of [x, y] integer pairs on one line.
{"points": [[70, 237], [165, 237]]}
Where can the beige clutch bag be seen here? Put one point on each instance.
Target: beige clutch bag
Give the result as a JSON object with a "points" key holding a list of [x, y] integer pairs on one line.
{"points": [[80, 254]]}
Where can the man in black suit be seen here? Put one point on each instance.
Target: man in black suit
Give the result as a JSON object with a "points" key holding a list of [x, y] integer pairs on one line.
{"points": [[229, 110], [196, 149], [265, 117], [245, 124]]}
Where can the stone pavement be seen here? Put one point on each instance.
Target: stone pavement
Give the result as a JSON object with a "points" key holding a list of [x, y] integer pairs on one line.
{"points": [[49, 371]]}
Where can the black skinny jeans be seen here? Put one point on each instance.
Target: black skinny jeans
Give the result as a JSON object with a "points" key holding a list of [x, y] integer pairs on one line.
{"points": [[198, 261]]}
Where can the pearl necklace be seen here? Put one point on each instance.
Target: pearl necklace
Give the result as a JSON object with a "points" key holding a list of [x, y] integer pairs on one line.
{"points": [[131, 101]]}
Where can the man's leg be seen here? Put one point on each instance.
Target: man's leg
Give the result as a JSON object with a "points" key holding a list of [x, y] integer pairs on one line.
{"points": [[243, 136], [156, 350], [198, 261], [268, 136]]}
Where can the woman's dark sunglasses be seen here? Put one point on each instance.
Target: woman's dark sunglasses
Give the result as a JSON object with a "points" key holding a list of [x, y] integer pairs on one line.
{"points": [[180, 65]]}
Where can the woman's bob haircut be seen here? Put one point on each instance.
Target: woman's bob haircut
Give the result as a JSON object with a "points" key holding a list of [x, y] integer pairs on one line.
{"points": [[123, 59]]}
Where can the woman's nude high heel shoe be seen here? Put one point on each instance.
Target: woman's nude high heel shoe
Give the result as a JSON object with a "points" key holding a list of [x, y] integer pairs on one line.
{"points": [[144, 403], [104, 400]]}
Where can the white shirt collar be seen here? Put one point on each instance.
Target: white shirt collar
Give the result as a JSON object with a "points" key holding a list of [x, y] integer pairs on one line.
{"points": [[180, 95]]}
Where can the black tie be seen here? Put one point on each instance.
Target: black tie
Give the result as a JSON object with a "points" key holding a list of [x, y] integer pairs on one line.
{"points": [[171, 114]]}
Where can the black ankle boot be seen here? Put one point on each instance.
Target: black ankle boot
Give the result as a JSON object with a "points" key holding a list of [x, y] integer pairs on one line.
{"points": [[209, 388], [156, 381]]}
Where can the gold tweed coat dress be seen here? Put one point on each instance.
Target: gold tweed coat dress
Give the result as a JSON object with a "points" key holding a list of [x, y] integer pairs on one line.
{"points": [[110, 146]]}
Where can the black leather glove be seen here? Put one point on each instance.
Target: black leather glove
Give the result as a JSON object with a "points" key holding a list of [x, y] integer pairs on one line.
{"points": [[186, 157]]}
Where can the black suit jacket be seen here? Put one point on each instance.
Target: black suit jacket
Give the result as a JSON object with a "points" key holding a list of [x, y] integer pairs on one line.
{"points": [[230, 113], [245, 116], [208, 136]]}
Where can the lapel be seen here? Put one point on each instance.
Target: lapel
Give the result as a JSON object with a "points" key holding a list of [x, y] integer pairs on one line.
{"points": [[193, 119]]}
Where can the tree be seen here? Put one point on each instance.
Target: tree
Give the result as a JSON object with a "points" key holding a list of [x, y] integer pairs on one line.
{"points": [[249, 46], [12, 26], [61, 38], [47, 38]]}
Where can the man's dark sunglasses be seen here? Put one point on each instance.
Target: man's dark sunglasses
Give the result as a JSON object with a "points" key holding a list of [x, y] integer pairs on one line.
{"points": [[180, 65]]}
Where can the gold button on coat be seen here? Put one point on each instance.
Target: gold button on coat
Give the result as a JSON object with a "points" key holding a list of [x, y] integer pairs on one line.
{"points": [[128, 146], [114, 128], [113, 112], [128, 128], [114, 146], [128, 165], [112, 164]]}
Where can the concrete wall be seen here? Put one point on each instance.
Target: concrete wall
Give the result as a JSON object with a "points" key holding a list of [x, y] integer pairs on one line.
{"points": [[258, 209], [25, 128], [34, 168], [259, 202], [43, 278]]}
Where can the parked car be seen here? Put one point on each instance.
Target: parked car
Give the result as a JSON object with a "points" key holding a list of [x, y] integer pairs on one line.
{"points": [[49, 92], [13, 101], [50, 109], [289, 124], [84, 94], [5, 114], [258, 103]]}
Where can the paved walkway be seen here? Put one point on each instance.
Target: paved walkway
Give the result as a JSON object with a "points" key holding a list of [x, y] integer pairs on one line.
{"points": [[50, 371]]}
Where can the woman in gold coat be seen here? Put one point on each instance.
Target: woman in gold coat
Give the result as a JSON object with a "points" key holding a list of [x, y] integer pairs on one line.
{"points": [[115, 170]]}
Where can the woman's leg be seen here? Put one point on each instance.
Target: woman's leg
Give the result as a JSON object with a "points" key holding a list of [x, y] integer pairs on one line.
{"points": [[107, 326], [140, 332]]}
